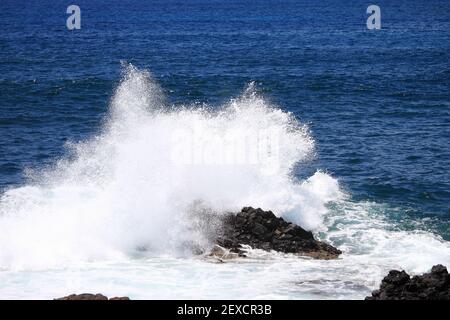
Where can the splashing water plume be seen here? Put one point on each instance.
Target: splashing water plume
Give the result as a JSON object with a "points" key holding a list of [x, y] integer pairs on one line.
{"points": [[133, 184]]}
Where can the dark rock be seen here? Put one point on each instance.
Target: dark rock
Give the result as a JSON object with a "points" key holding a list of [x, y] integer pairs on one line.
{"points": [[398, 285], [119, 298], [90, 296], [263, 230]]}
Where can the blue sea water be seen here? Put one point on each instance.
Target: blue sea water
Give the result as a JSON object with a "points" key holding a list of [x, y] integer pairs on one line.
{"points": [[377, 102]]}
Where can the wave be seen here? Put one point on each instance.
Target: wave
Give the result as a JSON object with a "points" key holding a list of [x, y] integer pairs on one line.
{"points": [[133, 185]]}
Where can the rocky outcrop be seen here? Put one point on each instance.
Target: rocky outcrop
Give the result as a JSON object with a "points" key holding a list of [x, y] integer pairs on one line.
{"points": [[398, 285], [90, 296], [263, 230]]}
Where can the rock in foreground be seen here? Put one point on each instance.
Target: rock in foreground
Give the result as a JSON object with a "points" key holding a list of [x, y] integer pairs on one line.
{"points": [[90, 296], [398, 285], [263, 230]]}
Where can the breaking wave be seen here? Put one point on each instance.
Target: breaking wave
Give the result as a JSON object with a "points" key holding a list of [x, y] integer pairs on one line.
{"points": [[134, 185]]}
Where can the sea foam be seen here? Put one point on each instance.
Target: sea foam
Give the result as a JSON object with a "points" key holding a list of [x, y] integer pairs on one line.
{"points": [[132, 186]]}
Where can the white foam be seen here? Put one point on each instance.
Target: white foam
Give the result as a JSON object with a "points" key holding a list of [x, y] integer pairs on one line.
{"points": [[123, 189]]}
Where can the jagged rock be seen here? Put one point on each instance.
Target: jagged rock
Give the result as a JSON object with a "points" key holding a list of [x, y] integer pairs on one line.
{"points": [[90, 296], [263, 230], [398, 285]]}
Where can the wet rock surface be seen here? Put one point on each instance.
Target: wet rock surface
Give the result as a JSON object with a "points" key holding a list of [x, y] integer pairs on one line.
{"points": [[398, 285], [263, 230], [90, 296]]}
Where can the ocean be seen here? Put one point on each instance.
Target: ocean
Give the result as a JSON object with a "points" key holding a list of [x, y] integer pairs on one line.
{"points": [[111, 136]]}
